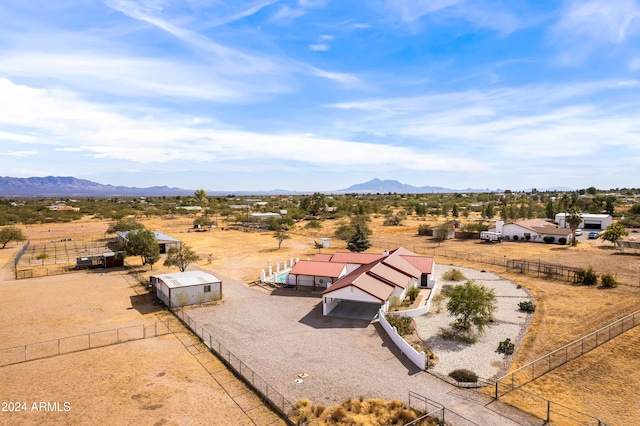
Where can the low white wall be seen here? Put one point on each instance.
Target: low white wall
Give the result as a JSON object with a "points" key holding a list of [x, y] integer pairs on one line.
{"points": [[421, 310], [418, 358], [328, 304]]}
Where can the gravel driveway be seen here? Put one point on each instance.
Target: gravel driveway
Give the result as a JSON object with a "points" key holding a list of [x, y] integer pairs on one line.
{"points": [[282, 334]]}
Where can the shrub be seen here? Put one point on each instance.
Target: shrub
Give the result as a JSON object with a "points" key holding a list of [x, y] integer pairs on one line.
{"points": [[608, 281], [404, 325], [587, 276], [506, 347], [424, 229], [562, 240], [313, 224], [527, 306], [515, 238], [395, 302], [464, 375], [446, 290], [413, 293], [438, 299], [453, 275], [548, 239]]}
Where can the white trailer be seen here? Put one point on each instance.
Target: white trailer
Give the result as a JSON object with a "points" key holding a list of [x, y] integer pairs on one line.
{"points": [[491, 236]]}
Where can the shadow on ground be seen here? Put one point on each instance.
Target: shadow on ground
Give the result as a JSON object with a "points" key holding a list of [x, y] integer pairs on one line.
{"points": [[315, 319], [146, 303]]}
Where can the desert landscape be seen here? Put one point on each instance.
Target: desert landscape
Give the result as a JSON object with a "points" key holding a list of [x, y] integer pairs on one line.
{"points": [[172, 368]]}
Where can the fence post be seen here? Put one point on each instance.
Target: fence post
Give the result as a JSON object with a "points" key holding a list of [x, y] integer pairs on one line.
{"points": [[497, 382], [548, 410]]}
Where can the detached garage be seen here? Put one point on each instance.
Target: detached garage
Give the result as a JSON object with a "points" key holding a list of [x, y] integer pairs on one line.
{"points": [[589, 221], [186, 288]]}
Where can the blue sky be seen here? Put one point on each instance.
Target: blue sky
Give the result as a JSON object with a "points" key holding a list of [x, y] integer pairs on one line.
{"points": [[319, 94]]}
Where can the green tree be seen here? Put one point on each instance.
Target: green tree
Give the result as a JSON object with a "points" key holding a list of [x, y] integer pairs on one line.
{"points": [[454, 211], [142, 242], [200, 197], [472, 305], [314, 204], [614, 232], [489, 211], [550, 210], [182, 257], [359, 241], [441, 232], [203, 221], [281, 235], [11, 233], [123, 225], [574, 219]]}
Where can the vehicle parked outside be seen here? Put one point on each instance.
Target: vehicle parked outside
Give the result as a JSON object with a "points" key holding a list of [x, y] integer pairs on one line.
{"points": [[578, 232], [593, 235]]}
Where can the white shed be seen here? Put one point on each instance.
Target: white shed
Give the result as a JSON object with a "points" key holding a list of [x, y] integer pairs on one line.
{"points": [[187, 288], [589, 221]]}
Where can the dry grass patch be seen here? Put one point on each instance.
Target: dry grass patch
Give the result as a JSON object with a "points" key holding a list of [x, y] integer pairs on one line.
{"points": [[365, 412]]}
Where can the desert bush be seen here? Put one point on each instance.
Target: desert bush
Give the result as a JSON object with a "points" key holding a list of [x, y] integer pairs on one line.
{"points": [[413, 292], [395, 302], [527, 306], [453, 275], [453, 334], [182, 299], [438, 299], [587, 276], [404, 325], [562, 240], [516, 238], [506, 347], [608, 281], [446, 290], [548, 239], [313, 224], [424, 229], [464, 375]]}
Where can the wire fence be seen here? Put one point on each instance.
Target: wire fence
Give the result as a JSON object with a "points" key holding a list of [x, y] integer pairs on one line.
{"points": [[531, 371], [81, 342], [270, 394], [435, 413], [532, 267]]}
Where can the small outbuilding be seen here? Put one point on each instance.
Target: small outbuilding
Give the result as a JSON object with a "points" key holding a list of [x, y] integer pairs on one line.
{"points": [[164, 241], [589, 221], [186, 288]]}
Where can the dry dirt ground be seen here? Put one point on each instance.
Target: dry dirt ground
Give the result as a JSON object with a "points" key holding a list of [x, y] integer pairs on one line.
{"points": [[603, 383], [166, 380]]}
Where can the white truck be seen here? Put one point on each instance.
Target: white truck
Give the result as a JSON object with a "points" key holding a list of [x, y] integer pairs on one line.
{"points": [[491, 236]]}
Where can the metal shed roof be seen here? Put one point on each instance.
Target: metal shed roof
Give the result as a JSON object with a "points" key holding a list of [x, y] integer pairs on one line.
{"points": [[187, 279]]}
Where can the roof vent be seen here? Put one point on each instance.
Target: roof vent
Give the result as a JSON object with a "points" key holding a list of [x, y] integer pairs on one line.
{"points": [[385, 253]]}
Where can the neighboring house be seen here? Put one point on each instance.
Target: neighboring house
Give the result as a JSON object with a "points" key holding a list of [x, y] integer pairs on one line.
{"points": [[589, 221], [164, 241], [377, 279], [62, 206], [262, 216], [534, 230], [186, 288]]}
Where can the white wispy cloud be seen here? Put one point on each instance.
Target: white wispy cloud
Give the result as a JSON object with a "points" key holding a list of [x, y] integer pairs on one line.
{"points": [[319, 47], [20, 153], [70, 124], [545, 121], [587, 25]]}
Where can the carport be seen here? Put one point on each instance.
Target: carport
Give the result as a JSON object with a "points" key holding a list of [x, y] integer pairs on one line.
{"points": [[355, 310]]}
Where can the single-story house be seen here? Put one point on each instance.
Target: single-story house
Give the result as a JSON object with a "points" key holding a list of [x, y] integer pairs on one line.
{"points": [[186, 288], [377, 281], [164, 241], [589, 221], [535, 230], [105, 260]]}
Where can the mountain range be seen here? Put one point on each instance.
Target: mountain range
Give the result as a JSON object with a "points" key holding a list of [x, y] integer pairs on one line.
{"points": [[56, 186]]}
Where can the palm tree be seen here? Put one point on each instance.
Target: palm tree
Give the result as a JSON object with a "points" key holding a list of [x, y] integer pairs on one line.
{"points": [[565, 200], [574, 219]]}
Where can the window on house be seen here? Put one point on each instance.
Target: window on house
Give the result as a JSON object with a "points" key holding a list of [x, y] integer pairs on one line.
{"points": [[207, 289]]}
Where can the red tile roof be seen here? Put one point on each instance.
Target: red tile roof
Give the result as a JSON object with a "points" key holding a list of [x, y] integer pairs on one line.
{"points": [[358, 258], [322, 257], [318, 269], [422, 263]]}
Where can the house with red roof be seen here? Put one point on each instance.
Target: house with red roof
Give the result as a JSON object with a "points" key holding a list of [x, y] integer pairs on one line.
{"points": [[371, 279]]}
